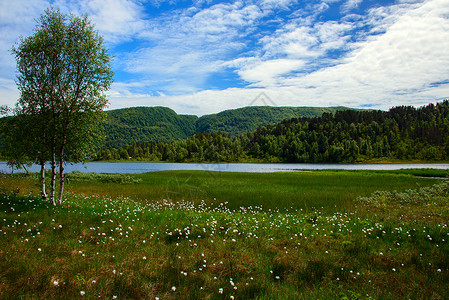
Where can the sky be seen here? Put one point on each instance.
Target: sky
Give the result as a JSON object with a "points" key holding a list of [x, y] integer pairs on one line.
{"points": [[204, 56]]}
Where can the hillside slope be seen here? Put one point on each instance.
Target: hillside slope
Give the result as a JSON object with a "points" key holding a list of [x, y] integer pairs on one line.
{"points": [[161, 124], [403, 133], [248, 119], [146, 124]]}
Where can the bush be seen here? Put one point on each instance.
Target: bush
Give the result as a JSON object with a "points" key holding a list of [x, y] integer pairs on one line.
{"points": [[437, 194]]}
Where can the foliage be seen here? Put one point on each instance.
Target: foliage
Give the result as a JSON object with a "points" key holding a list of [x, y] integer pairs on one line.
{"points": [[247, 119], [13, 146], [402, 133], [437, 194], [64, 71], [133, 125], [128, 126]]}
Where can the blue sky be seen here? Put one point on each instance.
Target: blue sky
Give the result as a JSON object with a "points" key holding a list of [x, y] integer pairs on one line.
{"points": [[204, 56]]}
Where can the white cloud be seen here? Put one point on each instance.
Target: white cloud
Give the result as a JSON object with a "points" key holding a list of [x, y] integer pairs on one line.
{"points": [[306, 42], [350, 5], [332, 35], [270, 73], [403, 62], [273, 4], [388, 56], [117, 20], [222, 18], [212, 101], [290, 41], [200, 103], [183, 49], [293, 47]]}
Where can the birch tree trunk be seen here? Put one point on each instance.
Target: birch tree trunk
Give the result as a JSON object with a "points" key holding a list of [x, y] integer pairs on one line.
{"points": [[43, 192], [53, 177], [61, 180]]}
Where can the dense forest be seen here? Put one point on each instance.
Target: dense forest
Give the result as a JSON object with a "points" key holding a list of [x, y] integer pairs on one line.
{"points": [[128, 126], [247, 119], [404, 132]]}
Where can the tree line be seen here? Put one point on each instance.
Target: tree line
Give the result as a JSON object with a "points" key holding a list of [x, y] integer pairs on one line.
{"points": [[404, 132]]}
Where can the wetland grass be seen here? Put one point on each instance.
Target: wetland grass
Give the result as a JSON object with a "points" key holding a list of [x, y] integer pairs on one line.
{"points": [[206, 242], [306, 190]]}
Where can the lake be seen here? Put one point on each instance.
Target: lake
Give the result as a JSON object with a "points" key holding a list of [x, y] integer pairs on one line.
{"points": [[144, 167]]}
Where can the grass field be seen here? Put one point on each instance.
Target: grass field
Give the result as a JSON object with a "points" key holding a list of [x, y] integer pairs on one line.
{"points": [[206, 235], [319, 189]]}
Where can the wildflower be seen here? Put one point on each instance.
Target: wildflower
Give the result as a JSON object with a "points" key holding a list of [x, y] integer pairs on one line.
{"points": [[82, 293], [144, 258], [55, 283], [39, 249], [220, 290], [173, 288]]}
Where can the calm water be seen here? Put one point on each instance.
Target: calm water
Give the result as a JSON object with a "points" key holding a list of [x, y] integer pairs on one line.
{"points": [[135, 168]]}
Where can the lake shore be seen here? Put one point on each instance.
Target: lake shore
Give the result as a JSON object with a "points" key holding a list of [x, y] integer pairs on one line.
{"points": [[144, 167]]}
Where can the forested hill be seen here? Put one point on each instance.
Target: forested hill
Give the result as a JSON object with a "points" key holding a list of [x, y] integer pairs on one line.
{"points": [[127, 126], [161, 124], [247, 119], [405, 133]]}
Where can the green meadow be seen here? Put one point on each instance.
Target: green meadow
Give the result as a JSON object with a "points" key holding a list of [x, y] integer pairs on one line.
{"points": [[217, 235]]}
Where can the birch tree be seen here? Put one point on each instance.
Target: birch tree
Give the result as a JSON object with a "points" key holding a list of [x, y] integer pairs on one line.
{"points": [[63, 74]]}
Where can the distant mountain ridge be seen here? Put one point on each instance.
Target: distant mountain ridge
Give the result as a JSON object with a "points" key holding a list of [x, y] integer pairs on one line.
{"points": [[127, 126]]}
